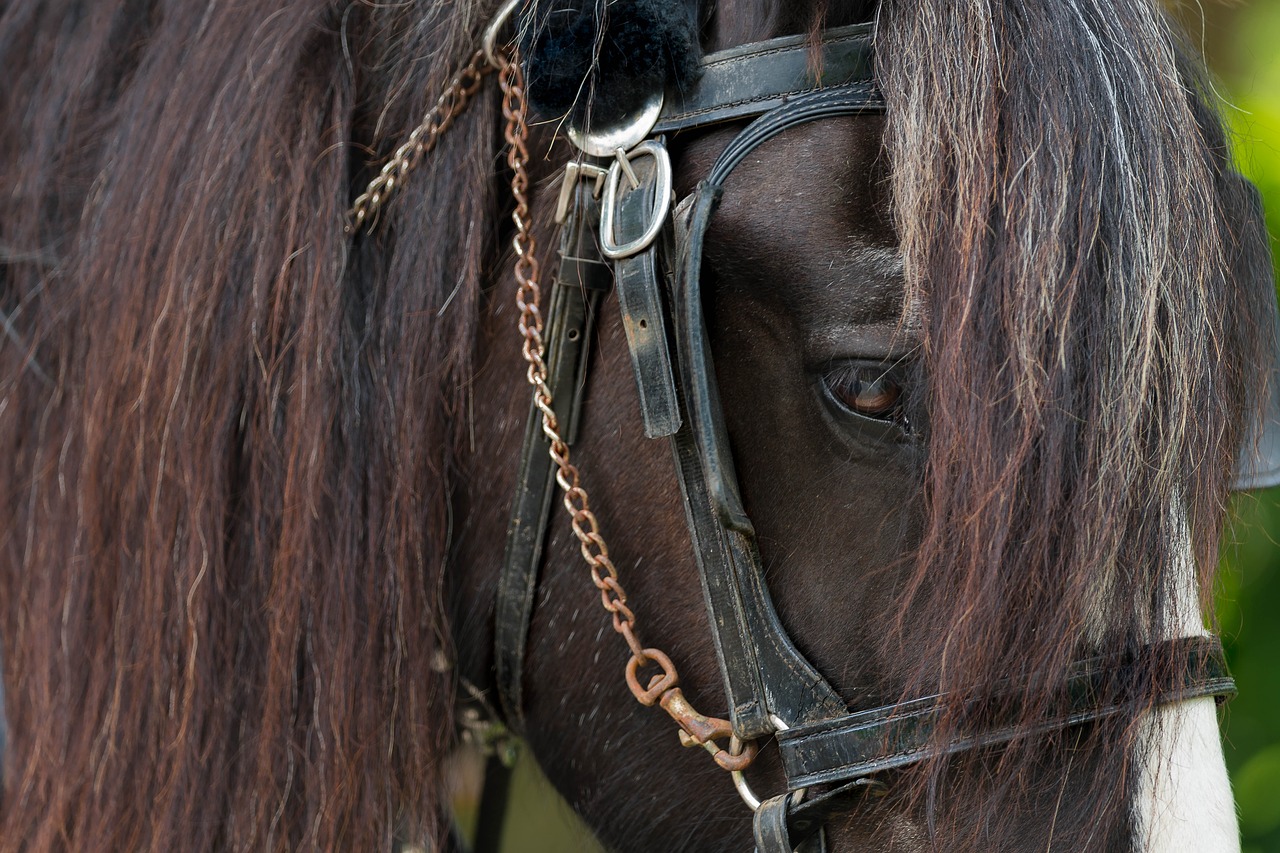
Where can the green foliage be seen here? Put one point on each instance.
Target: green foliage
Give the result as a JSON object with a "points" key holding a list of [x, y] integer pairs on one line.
{"points": [[1258, 791], [1248, 61], [537, 819], [1249, 596], [1252, 78]]}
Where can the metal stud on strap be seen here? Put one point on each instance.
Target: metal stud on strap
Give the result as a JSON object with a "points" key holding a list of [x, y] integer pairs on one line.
{"points": [[603, 141]]}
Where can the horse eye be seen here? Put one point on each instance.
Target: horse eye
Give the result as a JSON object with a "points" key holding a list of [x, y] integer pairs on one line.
{"points": [[866, 390]]}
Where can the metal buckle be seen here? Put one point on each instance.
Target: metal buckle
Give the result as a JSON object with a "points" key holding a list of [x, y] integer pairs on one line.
{"points": [[575, 171], [609, 245]]}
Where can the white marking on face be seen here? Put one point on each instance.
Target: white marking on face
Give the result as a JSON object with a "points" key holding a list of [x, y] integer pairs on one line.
{"points": [[1183, 798], [1183, 802]]}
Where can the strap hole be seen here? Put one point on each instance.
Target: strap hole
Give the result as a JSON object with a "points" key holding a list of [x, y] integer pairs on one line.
{"points": [[573, 334], [644, 324]]}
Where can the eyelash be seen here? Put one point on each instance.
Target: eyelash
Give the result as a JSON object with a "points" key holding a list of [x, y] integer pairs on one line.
{"points": [[870, 391]]}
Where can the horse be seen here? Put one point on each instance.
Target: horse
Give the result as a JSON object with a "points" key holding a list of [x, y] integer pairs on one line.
{"points": [[954, 359]]}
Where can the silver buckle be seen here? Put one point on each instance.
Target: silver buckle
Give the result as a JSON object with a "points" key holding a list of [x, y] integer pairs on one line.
{"points": [[609, 245], [575, 171]]}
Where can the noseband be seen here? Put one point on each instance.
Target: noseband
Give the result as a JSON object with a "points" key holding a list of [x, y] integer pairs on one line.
{"points": [[621, 232]]}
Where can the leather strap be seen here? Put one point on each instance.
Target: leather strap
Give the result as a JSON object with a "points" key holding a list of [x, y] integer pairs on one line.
{"points": [[770, 825], [1200, 670], [764, 674], [747, 81], [640, 300], [805, 818], [854, 99], [582, 280], [495, 794], [789, 824], [857, 745]]}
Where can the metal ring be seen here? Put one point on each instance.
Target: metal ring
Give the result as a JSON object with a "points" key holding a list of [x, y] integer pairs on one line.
{"points": [[744, 790], [749, 796], [490, 41], [740, 781]]}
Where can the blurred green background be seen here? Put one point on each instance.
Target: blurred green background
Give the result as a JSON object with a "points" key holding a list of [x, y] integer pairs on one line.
{"points": [[1242, 44]]}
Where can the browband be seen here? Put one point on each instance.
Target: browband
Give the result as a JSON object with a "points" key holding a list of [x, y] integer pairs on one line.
{"points": [[750, 80]]}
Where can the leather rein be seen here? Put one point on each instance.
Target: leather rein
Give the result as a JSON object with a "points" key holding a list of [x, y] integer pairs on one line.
{"points": [[621, 233]]}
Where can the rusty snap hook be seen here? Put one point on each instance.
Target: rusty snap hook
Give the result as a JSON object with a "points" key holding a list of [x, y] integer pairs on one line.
{"points": [[697, 729]]}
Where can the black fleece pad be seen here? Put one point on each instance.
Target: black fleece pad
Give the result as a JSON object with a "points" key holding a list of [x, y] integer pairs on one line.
{"points": [[599, 59]]}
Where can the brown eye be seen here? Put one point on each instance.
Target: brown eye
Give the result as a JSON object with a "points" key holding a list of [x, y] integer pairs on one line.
{"points": [[868, 391]]}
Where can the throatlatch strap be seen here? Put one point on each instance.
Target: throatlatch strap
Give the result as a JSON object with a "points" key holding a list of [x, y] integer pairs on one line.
{"points": [[575, 301]]}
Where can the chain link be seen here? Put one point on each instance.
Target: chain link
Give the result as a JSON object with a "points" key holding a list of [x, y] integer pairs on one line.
{"points": [[455, 98], [661, 687], [586, 527]]}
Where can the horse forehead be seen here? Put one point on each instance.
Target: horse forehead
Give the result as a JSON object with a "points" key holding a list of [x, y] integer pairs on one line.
{"points": [[805, 224]]}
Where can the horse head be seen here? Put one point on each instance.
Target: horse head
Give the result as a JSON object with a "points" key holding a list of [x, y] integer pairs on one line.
{"points": [[906, 292], [892, 361]]}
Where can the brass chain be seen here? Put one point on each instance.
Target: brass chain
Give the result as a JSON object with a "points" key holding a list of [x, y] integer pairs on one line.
{"points": [[452, 101], [662, 688]]}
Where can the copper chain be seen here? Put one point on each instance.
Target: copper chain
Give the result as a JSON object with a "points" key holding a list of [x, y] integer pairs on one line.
{"points": [[422, 140], [662, 687]]}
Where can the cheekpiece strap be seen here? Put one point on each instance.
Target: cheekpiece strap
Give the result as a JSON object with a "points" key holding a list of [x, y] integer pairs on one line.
{"points": [[767, 679], [582, 281], [638, 276]]}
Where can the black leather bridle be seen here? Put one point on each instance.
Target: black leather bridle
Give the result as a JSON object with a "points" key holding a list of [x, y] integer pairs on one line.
{"points": [[650, 253]]}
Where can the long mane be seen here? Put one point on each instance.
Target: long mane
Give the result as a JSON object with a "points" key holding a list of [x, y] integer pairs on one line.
{"points": [[221, 615], [1067, 214]]}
